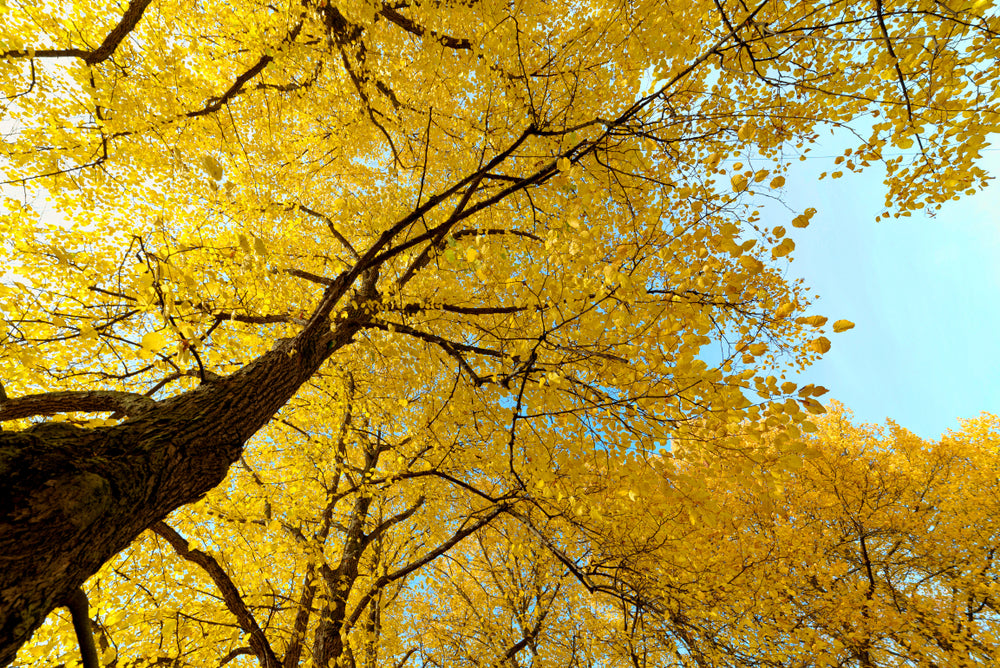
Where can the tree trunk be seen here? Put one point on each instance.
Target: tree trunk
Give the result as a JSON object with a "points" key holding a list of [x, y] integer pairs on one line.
{"points": [[72, 498]]}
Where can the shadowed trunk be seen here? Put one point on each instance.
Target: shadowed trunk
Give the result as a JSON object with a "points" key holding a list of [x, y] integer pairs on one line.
{"points": [[71, 498]]}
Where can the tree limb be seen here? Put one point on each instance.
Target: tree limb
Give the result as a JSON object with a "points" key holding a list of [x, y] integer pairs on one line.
{"points": [[230, 594], [96, 401], [79, 610]]}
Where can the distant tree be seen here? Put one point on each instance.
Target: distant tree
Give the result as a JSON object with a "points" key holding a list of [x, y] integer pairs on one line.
{"points": [[878, 548], [484, 248]]}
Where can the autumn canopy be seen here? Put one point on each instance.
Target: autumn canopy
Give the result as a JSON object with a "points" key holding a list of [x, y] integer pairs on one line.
{"points": [[489, 286]]}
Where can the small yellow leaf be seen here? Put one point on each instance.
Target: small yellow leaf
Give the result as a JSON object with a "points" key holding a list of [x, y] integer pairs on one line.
{"points": [[842, 326], [777, 181], [259, 247], [820, 345], [563, 164], [783, 249], [245, 243], [813, 320], [154, 341], [739, 182], [471, 254], [212, 166], [813, 406], [751, 264]]}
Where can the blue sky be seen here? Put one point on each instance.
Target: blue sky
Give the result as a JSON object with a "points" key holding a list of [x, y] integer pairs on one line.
{"points": [[924, 293]]}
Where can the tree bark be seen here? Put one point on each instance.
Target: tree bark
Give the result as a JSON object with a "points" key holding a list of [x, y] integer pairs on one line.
{"points": [[72, 498]]}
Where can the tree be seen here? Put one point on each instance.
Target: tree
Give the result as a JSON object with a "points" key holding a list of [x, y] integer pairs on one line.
{"points": [[875, 549], [486, 247]]}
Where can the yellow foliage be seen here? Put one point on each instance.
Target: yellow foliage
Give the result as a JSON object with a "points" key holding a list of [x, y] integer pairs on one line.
{"points": [[527, 235]]}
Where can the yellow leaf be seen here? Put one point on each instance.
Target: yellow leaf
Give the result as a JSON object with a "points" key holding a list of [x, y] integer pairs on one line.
{"points": [[777, 181], [813, 406], [212, 166], [842, 326], [259, 247], [820, 345], [752, 264], [563, 164], [783, 249], [154, 341], [813, 320]]}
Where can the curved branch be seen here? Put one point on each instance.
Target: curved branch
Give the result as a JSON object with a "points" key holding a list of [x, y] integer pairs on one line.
{"points": [[215, 103], [96, 401], [127, 24], [230, 594]]}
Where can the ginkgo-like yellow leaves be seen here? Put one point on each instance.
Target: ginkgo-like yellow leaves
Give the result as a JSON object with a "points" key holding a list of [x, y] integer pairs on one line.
{"points": [[842, 325]]}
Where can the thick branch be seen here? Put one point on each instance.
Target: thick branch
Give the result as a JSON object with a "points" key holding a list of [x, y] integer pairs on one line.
{"points": [[97, 401], [129, 20], [127, 24]]}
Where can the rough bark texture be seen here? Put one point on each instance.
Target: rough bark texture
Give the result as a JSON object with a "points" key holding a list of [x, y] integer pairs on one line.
{"points": [[70, 498]]}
